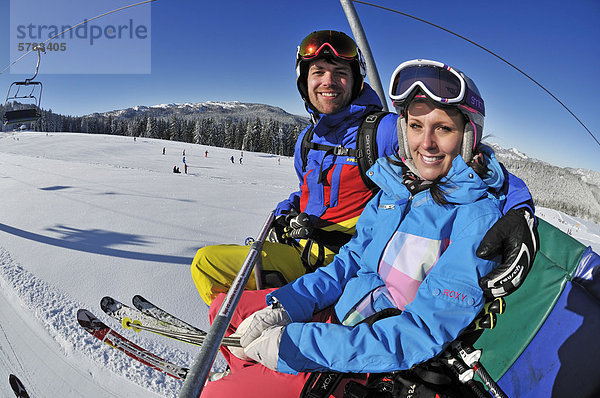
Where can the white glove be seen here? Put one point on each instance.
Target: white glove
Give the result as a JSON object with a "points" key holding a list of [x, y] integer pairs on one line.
{"points": [[265, 349], [241, 329], [274, 315]]}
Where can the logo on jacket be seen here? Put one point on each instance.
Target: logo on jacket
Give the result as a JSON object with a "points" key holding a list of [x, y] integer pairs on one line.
{"points": [[455, 295]]}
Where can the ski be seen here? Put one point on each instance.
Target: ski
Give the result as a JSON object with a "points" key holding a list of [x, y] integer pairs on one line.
{"points": [[17, 386], [154, 311], [133, 318], [102, 332]]}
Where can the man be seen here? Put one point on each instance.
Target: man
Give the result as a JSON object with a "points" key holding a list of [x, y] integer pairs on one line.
{"points": [[314, 222]]}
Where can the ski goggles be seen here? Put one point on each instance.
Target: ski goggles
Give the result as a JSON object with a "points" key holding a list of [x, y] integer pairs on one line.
{"points": [[438, 81], [339, 43]]}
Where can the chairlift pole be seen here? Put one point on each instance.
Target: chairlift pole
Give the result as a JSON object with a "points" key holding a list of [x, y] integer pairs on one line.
{"points": [[200, 369], [363, 44]]}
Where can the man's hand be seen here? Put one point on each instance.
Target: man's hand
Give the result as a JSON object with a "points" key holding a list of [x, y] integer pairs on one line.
{"points": [[277, 233], [515, 237], [290, 226], [299, 226]]}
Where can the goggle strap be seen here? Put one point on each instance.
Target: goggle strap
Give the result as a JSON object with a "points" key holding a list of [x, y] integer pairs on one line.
{"points": [[474, 101]]}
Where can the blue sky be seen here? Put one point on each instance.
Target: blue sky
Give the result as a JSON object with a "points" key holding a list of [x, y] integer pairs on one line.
{"points": [[244, 50]]}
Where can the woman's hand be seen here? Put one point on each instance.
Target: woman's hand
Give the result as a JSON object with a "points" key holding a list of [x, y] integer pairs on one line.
{"points": [[265, 349], [273, 315], [515, 237]]}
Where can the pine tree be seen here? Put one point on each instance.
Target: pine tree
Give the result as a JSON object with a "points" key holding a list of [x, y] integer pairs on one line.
{"points": [[197, 132], [151, 130], [174, 129]]}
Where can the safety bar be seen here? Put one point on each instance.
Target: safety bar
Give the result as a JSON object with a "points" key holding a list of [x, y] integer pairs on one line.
{"points": [[200, 369]]}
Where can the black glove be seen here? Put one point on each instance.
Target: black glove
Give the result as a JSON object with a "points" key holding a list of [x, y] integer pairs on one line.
{"points": [[515, 237], [300, 226], [278, 227]]}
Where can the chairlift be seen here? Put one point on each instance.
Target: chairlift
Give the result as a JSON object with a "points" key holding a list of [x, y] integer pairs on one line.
{"points": [[28, 90]]}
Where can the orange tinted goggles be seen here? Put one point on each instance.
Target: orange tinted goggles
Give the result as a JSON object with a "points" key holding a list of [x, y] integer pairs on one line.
{"points": [[337, 42]]}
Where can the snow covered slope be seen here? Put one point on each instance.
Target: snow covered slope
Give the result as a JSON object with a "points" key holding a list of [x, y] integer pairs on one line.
{"points": [[84, 216]]}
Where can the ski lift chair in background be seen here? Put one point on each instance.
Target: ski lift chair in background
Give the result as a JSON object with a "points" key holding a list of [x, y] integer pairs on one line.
{"points": [[28, 90]]}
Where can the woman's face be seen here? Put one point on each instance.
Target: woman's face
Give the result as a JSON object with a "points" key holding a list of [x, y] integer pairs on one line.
{"points": [[434, 137]]}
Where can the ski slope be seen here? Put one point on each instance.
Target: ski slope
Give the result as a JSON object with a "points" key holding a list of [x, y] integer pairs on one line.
{"points": [[85, 216]]}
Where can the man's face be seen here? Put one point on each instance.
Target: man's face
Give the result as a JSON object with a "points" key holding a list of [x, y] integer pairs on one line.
{"points": [[330, 85]]}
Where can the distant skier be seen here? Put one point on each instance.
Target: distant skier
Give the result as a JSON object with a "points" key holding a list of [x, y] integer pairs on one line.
{"points": [[241, 160], [232, 161], [185, 166], [278, 160], [184, 152], [183, 160], [176, 170], [164, 150], [205, 154]]}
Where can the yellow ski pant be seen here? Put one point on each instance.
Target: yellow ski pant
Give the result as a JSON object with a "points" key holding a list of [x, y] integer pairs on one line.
{"points": [[215, 267]]}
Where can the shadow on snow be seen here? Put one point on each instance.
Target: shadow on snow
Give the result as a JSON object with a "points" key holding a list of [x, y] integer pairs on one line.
{"points": [[90, 240]]}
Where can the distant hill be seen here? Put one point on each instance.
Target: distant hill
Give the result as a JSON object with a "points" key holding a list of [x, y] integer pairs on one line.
{"points": [[218, 110], [572, 191]]}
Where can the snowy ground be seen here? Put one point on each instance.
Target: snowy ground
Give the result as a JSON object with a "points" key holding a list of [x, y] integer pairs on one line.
{"points": [[84, 216]]}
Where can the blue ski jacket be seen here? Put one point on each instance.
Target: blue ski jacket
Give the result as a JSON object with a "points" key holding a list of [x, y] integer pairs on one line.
{"points": [[330, 186], [408, 253]]}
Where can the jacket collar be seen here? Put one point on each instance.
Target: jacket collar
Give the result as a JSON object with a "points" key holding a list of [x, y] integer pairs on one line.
{"points": [[463, 185]]}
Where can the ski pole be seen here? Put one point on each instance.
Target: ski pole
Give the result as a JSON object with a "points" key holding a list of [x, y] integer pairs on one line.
{"points": [[471, 356], [496, 306], [487, 318], [189, 337], [462, 372], [200, 369]]}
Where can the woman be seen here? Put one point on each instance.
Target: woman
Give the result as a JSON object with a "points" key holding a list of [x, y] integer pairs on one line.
{"points": [[413, 252]]}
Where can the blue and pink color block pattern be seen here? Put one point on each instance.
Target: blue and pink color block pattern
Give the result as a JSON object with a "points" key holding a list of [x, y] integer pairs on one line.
{"points": [[406, 261]]}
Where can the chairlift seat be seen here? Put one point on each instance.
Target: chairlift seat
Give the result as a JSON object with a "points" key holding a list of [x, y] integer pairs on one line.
{"points": [[30, 114], [21, 116]]}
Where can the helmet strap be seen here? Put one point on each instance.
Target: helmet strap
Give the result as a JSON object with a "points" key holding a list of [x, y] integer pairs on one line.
{"points": [[403, 149], [468, 141]]}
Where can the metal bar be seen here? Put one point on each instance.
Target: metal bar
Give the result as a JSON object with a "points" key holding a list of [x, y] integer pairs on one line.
{"points": [[363, 44], [194, 382], [258, 273]]}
